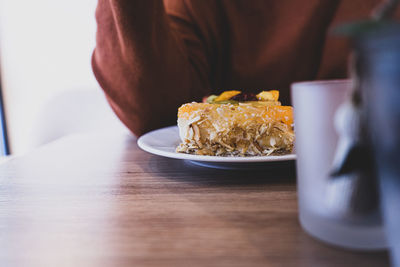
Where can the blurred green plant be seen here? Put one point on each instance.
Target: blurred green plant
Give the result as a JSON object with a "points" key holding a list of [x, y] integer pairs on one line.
{"points": [[381, 18]]}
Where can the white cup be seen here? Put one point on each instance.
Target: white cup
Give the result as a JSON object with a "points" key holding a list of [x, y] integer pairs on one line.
{"points": [[315, 104]]}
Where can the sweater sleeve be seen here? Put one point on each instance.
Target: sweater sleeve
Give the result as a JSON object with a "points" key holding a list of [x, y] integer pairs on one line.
{"points": [[145, 65]]}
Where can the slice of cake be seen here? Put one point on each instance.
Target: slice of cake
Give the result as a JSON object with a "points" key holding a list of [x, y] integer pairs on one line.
{"points": [[236, 124]]}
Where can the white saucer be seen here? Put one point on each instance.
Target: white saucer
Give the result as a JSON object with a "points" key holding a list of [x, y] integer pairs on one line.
{"points": [[163, 142]]}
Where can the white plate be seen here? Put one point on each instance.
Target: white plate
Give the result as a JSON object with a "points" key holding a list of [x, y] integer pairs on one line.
{"points": [[163, 142]]}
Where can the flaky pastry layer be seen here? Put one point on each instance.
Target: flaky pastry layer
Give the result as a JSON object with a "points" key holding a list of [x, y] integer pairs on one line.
{"points": [[246, 129]]}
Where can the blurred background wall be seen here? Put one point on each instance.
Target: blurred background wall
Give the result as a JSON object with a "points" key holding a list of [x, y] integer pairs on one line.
{"points": [[45, 49]]}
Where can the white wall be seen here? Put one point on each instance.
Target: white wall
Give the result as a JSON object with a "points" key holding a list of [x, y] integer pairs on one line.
{"points": [[45, 48]]}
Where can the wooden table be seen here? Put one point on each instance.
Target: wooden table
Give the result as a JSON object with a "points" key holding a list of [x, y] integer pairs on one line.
{"points": [[98, 200]]}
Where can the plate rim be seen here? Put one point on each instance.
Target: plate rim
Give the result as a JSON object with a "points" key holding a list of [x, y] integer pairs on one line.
{"points": [[175, 155]]}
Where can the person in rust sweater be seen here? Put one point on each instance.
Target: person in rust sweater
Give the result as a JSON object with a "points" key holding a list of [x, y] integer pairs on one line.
{"points": [[152, 55]]}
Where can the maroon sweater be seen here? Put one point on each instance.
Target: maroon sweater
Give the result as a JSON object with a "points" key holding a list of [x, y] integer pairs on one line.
{"points": [[153, 55]]}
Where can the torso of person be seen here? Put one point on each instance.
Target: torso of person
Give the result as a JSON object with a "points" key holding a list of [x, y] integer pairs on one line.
{"points": [[266, 44]]}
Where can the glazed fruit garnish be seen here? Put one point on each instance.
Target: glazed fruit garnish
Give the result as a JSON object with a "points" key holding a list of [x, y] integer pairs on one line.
{"points": [[272, 95], [243, 97], [236, 97], [227, 95]]}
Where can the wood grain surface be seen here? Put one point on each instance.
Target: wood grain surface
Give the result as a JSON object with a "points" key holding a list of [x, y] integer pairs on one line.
{"points": [[98, 200]]}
